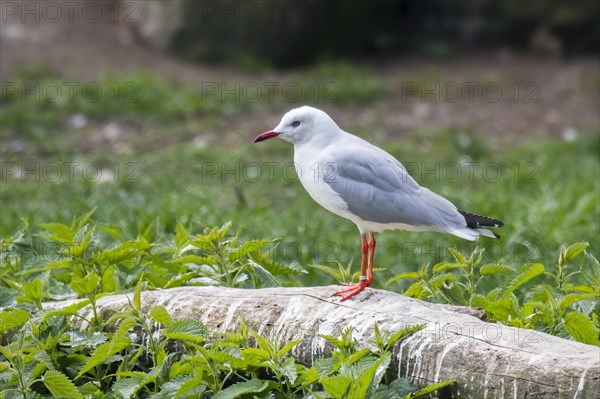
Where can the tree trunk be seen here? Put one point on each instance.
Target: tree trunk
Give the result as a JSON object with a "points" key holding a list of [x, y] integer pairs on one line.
{"points": [[485, 359]]}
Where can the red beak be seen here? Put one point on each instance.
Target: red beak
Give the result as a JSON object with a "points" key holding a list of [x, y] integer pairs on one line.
{"points": [[266, 135]]}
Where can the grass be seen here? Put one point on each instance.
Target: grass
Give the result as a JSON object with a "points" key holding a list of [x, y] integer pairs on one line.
{"points": [[40, 103], [546, 191]]}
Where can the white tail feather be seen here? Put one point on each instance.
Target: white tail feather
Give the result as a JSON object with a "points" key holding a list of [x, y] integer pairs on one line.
{"points": [[472, 234], [487, 233], [466, 233]]}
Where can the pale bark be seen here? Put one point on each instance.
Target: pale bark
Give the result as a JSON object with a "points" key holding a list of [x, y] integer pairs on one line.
{"points": [[485, 359]]}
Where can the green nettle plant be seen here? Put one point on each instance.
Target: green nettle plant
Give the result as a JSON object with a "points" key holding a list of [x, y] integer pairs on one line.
{"points": [[72, 353], [61, 353], [214, 258], [142, 352], [115, 263], [557, 306]]}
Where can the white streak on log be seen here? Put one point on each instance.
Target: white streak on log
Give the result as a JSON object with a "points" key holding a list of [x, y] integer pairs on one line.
{"points": [[440, 360], [400, 357], [230, 314], [581, 384]]}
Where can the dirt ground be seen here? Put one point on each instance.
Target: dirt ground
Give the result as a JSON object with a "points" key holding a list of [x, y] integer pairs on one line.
{"points": [[504, 95]]}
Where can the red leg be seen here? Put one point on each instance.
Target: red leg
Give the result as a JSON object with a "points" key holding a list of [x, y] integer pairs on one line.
{"points": [[371, 247], [364, 248], [355, 288]]}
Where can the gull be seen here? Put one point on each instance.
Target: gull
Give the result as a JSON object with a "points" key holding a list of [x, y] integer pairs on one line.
{"points": [[363, 183]]}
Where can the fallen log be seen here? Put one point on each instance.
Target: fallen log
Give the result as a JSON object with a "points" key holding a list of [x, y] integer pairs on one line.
{"points": [[485, 359]]}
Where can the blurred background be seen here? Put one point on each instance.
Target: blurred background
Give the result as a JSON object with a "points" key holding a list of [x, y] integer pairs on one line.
{"points": [[146, 111]]}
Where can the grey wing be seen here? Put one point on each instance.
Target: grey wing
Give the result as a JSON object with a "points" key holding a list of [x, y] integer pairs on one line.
{"points": [[377, 188]]}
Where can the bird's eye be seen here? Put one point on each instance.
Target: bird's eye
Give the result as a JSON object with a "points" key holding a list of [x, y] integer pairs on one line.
{"points": [[296, 123]]}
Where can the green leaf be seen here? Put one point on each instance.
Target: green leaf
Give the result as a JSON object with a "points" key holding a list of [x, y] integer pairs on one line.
{"points": [[148, 232], [187, 330], [130, 386], [447, 266], [416, 290], [160, 315], [78, 250], [581, 328], [403, 333], [499, 309], [81, 340], [118, 343], [335, 273], [398, 389], [33, 289], [60, 385], [442, 280], [325, 366], [137, 294], [526, 273], [333, 340], [370, 378], [458, 256], [123, 252], [428, 389], [242, 388], [569, 299], [7, 352], [210, 237], [180, 279], [424, 272], [126, 387], [287, 347], [579, 288], [61, 232], [261, 354], [413, 275], [61, 264], [288, 369], [357, 356], [307, 377], [192, 388], [337, 386], [264, 276], [265, 259], [78, 224], [12, 318], [127, 322], [493, 268], [43, 357], [110, 282], [4, 366], [263, 342], [86, 285], [247, 248], [180, 387], [479, 301], [33, 370], [114, 232], [181, 235], [572, 251]]}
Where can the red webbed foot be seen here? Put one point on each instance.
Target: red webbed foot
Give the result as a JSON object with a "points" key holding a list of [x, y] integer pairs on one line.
{"points": [[353, 289]]}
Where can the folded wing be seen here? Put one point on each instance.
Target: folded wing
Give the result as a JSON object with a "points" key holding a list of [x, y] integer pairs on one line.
{"points": [[377, 188]]}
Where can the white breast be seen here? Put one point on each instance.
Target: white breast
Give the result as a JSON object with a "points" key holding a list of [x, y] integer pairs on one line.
{"points": [[311, 172]]}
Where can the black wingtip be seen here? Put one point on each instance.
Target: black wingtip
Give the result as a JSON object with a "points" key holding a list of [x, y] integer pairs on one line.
{"points": [[478, 221]]}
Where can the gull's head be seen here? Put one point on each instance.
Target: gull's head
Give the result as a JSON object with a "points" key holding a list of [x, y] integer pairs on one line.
{"points": [[302, 125]]}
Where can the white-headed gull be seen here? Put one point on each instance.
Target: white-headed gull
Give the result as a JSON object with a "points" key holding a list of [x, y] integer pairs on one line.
{"points": [[358, 181]]}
